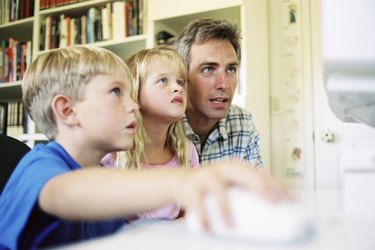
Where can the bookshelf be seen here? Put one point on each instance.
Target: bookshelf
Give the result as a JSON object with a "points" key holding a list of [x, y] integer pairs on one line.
{"points": [[251, 16], [33, 28]]}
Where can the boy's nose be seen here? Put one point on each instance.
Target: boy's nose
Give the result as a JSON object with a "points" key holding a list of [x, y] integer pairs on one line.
{"points": [[133, 106]]}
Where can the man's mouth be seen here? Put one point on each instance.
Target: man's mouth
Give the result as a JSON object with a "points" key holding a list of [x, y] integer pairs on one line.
{"points": [[219, 100]]}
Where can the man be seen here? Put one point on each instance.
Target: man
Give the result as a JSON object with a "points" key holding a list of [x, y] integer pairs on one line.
{"points": [[211, 50]]}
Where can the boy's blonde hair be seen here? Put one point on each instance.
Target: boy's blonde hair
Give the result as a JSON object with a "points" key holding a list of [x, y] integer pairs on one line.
{"points": [[64, 71], [139, 65]]}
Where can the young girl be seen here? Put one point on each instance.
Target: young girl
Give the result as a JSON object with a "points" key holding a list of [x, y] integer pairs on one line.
{"points": [[159, 85]]}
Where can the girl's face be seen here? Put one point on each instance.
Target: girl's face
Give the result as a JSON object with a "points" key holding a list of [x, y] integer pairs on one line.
{"points": [[162, 95]]}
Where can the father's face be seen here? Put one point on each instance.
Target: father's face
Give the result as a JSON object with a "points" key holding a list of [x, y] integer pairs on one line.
{"points": [[212, 79]]}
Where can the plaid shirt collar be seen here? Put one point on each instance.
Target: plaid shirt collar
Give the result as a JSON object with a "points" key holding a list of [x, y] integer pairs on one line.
{"points": [[219, 130]]}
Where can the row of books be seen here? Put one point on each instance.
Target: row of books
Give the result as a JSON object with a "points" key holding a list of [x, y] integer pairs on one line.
{"points": [[16, 120], [13, 10], [114, 20], [48, 4], [15, 57]]}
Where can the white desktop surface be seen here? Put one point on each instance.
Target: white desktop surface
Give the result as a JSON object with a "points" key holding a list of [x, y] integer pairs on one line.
{"points": [[333, 231]]}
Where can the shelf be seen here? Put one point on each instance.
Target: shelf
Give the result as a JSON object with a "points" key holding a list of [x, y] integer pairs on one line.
{"points": [[10, 91], [73, 9], [21, 30]]}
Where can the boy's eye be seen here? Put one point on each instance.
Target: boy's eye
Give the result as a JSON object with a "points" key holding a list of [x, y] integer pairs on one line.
{"points": [[116, 91]]}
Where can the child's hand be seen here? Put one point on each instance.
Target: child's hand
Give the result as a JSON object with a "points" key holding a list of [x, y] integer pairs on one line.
{"points": [[217, 177]]}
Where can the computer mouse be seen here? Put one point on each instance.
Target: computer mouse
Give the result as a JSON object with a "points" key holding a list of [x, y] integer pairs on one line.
{"points": [[255, 219]]}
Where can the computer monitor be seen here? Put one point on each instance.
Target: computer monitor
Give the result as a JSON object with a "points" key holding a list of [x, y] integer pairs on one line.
{"points": [[348, 42]]}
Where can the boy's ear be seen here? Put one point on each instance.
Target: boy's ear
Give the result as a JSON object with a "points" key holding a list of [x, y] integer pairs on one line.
{"points": [[62, 107]]}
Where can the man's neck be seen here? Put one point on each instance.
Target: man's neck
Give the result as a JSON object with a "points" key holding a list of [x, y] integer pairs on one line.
{"points": [[201, 127]]}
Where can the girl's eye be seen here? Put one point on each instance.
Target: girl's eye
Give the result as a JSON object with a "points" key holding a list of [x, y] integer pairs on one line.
{"points": [[116, 91], [181, 83], [163, 80]]}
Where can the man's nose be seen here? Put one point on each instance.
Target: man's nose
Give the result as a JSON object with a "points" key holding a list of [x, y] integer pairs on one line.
{"points": [[221, 80]]}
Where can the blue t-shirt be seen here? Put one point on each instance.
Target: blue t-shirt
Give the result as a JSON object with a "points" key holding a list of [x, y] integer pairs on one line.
{"points": [[23, 225]]}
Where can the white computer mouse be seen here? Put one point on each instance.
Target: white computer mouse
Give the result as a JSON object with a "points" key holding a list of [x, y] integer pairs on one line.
{"points": [[255, 219]]}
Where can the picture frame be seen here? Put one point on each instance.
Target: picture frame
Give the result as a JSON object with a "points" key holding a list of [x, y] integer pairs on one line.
{"points": [[3, 117]]}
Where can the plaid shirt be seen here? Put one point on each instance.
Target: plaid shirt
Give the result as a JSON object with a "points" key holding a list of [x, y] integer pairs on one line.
{"points": [[232, 136]]}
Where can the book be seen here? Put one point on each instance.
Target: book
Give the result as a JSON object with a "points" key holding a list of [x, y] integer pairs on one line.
{"points": [[92, 16], [73, 31], [63, 32], [48, 33], [1, 63], [105, 23], [118, 20], [83, 30], [3, 117], [5, 60]]}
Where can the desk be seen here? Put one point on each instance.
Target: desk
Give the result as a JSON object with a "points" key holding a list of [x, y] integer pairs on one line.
{"points": [[334, 231]]}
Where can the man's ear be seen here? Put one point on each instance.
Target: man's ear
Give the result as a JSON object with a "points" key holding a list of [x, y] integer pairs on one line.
{"points": [[62, 107]]}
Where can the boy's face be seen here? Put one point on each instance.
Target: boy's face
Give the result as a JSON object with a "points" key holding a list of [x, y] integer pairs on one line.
{"points": [[107, 114], [162, 95]]}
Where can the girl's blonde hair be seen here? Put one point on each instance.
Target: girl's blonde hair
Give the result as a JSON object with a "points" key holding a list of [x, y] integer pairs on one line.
{"points": [[64, 71], [139, 64]]}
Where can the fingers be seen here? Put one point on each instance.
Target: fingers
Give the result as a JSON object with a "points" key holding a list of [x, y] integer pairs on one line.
{"points": [[237, 173], [197, 205], [208, 181], [216, 178], [217, 187]]}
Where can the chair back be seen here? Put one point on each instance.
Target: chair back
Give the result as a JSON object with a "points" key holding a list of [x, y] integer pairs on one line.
{"points": [[11, 152]]}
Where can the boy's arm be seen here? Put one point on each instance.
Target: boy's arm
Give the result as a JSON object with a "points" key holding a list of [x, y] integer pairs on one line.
{"points": [[96, 193]]}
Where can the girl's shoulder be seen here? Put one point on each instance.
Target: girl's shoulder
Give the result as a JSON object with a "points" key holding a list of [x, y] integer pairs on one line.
{"points": [[192, 154]]}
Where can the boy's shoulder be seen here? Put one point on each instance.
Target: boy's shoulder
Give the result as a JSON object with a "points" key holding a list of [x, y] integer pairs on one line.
{"points": [[22, 190]]}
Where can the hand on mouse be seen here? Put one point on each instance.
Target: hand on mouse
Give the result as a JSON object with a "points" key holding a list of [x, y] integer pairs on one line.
{"points": [[214, 179]]}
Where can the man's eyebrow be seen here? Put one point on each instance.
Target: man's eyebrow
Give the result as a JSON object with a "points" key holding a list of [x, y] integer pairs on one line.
{"points": [[235, 63], [204, 63]]}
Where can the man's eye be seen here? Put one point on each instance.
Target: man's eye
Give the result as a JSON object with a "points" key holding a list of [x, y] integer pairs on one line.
{"points": [[207, 70], [232, 70], [116, 91]]}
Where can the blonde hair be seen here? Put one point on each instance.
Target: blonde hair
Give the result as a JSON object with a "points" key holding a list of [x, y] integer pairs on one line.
{"points": [[139, 64], [64, 71]]}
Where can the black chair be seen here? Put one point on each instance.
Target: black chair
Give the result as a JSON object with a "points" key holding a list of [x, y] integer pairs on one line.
{"points": [[11, 152]]}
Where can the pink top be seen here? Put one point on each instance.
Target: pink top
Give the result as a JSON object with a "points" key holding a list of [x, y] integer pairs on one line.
{"points": [[170, 211]]}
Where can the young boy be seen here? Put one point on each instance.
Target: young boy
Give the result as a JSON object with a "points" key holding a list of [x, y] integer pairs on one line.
{"points": [[80, 98]]}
